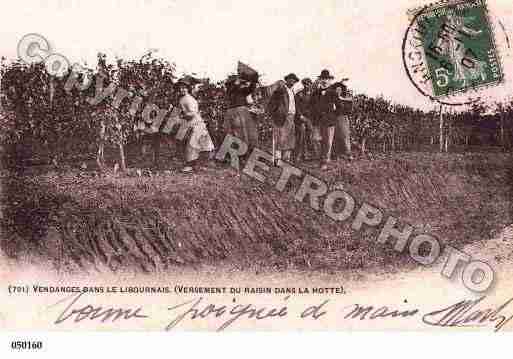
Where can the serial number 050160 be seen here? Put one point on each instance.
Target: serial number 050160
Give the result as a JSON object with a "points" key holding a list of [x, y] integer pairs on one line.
{"points": [[26, 345]]}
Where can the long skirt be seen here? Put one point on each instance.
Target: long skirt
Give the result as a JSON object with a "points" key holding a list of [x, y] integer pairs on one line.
{"points": [[239, 122], [199, 140], [284, 137]]}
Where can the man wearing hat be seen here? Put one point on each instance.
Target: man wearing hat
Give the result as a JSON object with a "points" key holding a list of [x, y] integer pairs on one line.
{"points": [[323, 106], [283, 110], [305, 141]]}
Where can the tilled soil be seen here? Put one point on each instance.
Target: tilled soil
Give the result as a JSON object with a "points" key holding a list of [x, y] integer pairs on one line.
{"points": [[84, 221]]}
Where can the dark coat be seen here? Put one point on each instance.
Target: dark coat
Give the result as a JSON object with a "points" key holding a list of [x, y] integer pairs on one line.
{"points": [[278, 106], [304, 103], [343, 106], [237, 94], [324, 106]]}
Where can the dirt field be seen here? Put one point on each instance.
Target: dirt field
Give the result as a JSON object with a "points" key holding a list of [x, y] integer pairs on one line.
{"points": [[81, 221]]}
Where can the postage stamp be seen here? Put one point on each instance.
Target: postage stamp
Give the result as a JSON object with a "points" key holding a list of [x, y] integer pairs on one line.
{"points": [[458, 45]]}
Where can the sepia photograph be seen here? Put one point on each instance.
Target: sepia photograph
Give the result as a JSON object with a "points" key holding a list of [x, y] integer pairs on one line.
{"points": [[221, 166]]}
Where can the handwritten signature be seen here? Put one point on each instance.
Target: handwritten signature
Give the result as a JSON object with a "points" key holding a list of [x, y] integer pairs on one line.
{"points": [[464, 313], [89, 312]]}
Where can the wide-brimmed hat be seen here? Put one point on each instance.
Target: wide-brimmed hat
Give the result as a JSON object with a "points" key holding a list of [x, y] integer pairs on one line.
{"points": [[325, 75], [291, 76], [183, 83]]}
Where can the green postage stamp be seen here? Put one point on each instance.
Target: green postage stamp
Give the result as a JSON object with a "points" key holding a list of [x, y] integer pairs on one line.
{"points": [[459, 49]]}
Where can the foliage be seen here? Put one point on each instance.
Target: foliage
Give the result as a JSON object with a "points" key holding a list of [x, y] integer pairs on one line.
{"points": [[41, 118]]}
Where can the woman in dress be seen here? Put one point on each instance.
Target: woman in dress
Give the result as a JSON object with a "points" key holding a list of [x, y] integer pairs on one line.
{"points": [[199, 140], [238, 119]]}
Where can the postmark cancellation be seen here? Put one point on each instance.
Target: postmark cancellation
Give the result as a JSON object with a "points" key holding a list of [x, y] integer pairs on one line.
{"points": [[450, 48]]}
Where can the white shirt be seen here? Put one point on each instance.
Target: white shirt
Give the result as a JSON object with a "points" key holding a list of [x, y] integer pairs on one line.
{"points": [[292, 102], [189, 107], [189, 104]]}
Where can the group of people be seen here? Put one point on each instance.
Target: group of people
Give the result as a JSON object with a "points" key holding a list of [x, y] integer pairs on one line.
{"points": [[308, 122], [311, 120]]}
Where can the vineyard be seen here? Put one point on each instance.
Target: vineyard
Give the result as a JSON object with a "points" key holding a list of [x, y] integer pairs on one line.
{"points": [[57, 205], [51, 120]]}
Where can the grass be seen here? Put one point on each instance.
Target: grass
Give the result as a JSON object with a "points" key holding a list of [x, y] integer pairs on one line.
{"points": [[86, 221]]}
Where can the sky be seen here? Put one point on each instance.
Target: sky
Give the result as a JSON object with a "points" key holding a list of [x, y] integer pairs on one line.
{"points": [[360, 39]]}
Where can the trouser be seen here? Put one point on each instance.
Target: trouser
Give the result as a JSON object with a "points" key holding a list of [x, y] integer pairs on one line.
{"points": [[327, 135], [342, 136], [304, 138]]}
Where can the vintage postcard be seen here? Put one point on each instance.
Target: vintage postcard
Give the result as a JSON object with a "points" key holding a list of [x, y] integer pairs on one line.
{"points": [[171, 165]]}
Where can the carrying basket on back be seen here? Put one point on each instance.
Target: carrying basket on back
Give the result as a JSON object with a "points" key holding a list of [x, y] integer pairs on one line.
{"points": [[246, 72]]}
